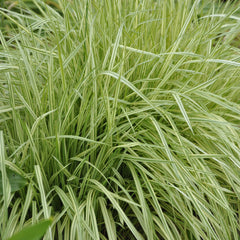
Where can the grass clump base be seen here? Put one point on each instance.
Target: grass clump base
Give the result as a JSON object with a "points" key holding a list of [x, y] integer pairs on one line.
{"points": [[123, 117]]}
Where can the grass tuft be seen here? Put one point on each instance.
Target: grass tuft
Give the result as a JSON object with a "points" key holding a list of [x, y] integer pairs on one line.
{"points": [[123, 117]]}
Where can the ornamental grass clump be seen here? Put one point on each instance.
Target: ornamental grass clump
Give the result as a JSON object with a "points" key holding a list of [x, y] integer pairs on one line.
{"points": [[120, 119]]}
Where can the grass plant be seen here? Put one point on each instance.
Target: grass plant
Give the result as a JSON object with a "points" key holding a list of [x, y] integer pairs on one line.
{"points": [[123, 117]]}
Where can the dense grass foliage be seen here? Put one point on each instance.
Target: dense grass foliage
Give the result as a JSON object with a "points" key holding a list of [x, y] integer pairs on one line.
{"points": [[123, 117]]}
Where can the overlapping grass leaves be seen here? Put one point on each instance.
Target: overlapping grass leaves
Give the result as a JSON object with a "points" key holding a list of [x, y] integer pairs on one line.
{"points": [[124, 118]]}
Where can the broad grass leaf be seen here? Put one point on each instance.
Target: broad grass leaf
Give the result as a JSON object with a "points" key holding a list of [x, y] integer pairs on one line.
{"points": [[34, 232], [16, 181]]}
